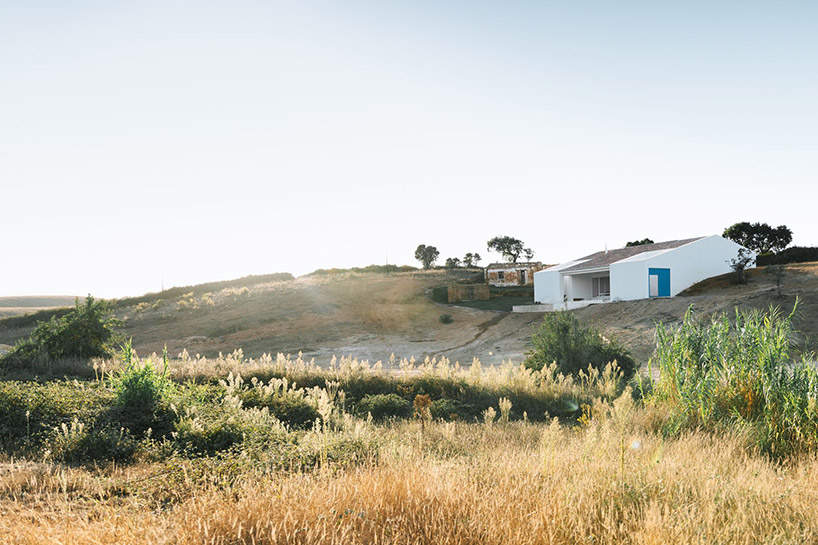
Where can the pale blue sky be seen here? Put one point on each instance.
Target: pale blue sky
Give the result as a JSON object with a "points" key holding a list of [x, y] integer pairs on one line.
{"points": [[209, 140]]}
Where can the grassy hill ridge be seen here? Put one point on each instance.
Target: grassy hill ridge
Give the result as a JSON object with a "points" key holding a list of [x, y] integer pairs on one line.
{"points": [[372, 315]]}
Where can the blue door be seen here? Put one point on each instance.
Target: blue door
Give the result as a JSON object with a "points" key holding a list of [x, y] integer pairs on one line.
{"points": [[659, 282]]}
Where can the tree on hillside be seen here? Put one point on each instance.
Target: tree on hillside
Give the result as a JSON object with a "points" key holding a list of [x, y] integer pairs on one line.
{"points": [[639, 242], [427, 255], [759, 237], [471, 259], [452, 262], [739, 264], [510, 248]]}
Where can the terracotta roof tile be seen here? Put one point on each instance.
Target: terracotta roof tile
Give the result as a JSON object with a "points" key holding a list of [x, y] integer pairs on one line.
{"points": [[604, 259]]}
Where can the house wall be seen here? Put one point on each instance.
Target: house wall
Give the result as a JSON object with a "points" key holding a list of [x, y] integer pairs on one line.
{"points": [[548, 287], [511, 276], [688, 265], [629, 281]]}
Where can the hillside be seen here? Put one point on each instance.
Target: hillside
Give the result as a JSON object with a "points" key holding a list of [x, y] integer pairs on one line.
{"points": [[372, 316], [20, 305], [633, 322]]}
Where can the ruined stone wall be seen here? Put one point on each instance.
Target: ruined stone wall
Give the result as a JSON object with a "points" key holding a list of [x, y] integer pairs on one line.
{"points": [[468, 292], [511, 275]]}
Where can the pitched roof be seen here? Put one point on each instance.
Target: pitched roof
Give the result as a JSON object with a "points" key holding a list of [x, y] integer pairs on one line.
{"points": [[606, 258], [518, 265]]}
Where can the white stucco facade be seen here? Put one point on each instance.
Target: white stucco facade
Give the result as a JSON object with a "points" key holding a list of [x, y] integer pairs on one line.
{"points": [[656, 270]]}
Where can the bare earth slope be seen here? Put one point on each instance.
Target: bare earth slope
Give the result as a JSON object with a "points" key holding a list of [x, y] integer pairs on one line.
{"points": [[372, 316], [633, 322]]}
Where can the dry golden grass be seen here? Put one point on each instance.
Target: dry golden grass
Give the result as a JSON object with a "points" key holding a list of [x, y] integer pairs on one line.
{"points": [[457, 483]]}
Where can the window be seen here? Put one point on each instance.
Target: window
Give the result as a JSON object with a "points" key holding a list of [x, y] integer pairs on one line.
{"points": [[501, 276], [601, 286]]}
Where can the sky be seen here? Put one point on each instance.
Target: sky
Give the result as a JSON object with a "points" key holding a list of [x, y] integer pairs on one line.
{"points": [[170, 143]]}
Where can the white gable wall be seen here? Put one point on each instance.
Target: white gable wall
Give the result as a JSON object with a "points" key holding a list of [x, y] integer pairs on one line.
{"points": [[629, 280], [548, 287], [688, 265]]}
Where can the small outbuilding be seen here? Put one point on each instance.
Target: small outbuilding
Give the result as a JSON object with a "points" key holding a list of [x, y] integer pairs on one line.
{"points": [[512, 274], [663, 269]]}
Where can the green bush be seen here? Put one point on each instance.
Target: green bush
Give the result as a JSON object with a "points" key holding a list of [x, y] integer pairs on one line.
{"points": [[291, 409], [76, 442], [562, 339], [446, 319], [719, 372], [85, 332], [383, 406], [211, 428], [141, 396], [795, 254], [31, 411], [450, 409]]}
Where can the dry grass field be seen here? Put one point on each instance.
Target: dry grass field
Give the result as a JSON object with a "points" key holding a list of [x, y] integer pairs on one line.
{"points": [[720, 449], [293, 454], [454, 483]]}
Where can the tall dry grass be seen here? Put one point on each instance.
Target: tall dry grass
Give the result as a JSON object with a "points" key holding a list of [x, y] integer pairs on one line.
{"points": [[608, 481]]}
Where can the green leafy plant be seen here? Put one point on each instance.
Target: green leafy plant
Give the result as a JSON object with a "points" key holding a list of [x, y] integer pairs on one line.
{"points": [[142, 394], [716, 372], [85, 332], [574, 347], [446, 319], [383, 406]]}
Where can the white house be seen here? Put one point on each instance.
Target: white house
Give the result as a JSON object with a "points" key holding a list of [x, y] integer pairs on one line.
{"points": [[637, 272]]}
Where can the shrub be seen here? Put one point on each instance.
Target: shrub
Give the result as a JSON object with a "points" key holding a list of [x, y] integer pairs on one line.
{"points": [[211, 428], [85, 332], [717, 372], [289, 408], [30, 411], [142, 395], [450, 409], [795, 254], [446, 319], [562, 339], [383, 406], [78, 443]]}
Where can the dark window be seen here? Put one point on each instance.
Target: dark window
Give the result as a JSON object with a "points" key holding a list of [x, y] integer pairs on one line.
{"points": [[602, 286]]}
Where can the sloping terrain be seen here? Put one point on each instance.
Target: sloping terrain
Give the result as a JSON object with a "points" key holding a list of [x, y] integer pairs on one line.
{"points": [[633, 322], [19, 305], [372, 316]]}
